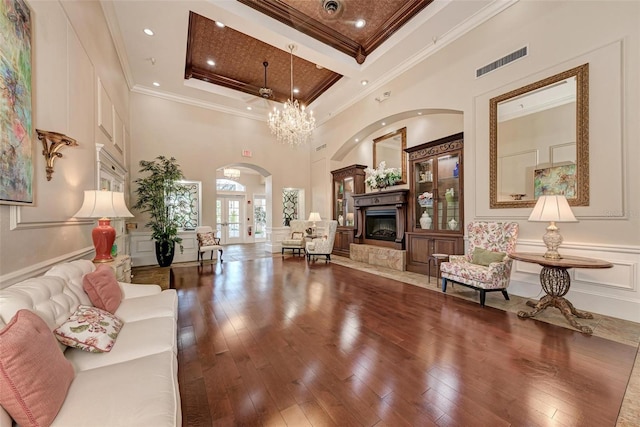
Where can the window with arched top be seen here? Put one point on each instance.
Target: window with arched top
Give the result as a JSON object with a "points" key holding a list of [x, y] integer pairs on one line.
{"points": [[229, 185]]}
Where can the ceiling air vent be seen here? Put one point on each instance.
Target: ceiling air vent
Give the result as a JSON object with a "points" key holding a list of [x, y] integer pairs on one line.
{"points": [[321, 147], [520, 53]]}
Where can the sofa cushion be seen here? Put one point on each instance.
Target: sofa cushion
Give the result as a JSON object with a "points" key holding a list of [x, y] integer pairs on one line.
{"points": [[485, 257], [90, 329], [35, 376], [136, 339], [103, 289], [162, 304], [139, 392]]}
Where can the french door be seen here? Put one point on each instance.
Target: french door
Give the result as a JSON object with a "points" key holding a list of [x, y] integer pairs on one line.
{"points": [[229, 216]]}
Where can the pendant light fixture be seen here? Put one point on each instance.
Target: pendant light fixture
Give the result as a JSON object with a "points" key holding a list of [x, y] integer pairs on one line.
{"points": [[292, 125]]}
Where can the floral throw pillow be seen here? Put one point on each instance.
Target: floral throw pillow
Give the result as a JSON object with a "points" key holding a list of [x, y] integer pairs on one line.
{"points": [[207, 239], [90, 329]]}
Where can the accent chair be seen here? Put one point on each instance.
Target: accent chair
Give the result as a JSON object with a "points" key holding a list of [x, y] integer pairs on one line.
{"points": [[295, 241], [207, 242], [323, 245], [486, 266]]}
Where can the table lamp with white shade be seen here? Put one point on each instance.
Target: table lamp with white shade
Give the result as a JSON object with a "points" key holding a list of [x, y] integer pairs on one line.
{"points": [[314, 217], [103, 205], [552, 209]]}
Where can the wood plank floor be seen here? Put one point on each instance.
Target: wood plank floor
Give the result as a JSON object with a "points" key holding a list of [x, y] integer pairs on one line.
{"points": [[277, 341]]}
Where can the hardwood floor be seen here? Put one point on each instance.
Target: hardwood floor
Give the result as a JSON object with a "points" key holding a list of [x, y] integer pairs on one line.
{"points": [[277, 341]]}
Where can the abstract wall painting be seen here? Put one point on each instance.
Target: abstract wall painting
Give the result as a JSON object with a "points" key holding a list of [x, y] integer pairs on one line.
{"points": [[557, 180], [16, 127]]}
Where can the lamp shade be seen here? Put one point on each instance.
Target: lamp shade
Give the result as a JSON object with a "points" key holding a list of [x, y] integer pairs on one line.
{"points": [[552, 209], [314, 216], [103, 205]]}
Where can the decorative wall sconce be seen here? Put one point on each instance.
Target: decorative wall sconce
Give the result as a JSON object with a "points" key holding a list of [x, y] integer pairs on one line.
{"points": [[52, 142]]}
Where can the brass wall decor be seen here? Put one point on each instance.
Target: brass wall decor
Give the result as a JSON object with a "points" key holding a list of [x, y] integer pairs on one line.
{"points": [[390, 149], [528, 138], [52, 143]]}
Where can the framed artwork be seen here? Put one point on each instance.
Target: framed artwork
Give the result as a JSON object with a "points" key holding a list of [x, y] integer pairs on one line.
{"points": [[557, 180], [16, 127]]}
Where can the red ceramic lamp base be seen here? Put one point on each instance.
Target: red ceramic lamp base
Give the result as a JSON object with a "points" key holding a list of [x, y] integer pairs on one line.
{"points": [[103, 237]]}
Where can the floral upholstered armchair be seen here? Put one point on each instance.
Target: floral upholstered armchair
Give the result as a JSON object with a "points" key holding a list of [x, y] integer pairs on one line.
{"points": [[486, 266], [323, 245], [295, 241]]}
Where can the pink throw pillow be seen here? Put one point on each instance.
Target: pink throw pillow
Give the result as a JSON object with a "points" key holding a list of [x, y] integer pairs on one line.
{"points": [[103, 289], [34, 375]]}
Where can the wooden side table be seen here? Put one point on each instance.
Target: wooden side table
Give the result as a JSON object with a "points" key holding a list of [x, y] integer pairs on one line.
{"points": [[436, 259], [555, 282]]}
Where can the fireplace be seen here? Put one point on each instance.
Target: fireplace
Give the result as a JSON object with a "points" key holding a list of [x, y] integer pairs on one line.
{"points": [[380, 224], [381, 218]]}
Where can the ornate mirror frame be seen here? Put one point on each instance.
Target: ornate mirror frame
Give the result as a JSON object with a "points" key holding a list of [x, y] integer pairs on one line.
{"points": [[581, 74], [402, 156]]}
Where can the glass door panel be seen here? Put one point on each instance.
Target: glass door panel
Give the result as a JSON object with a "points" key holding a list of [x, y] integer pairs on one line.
{"points": [[229, 215], [425, 193], [448, 192]]}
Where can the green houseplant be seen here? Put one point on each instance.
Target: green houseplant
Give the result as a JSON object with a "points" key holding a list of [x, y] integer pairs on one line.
{"points": [[156, 197]]}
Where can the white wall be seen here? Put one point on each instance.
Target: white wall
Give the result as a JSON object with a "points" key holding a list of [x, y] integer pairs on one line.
{"points": [[72, 48], [560, 36], [204, 140]]}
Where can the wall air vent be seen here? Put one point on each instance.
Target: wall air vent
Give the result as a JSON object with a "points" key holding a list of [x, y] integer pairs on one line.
{"points": [[321, 147], [520, 53]]}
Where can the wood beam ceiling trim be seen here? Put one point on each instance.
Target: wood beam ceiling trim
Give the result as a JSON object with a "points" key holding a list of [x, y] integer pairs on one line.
{"points": [[399, 18], [301, 22]]}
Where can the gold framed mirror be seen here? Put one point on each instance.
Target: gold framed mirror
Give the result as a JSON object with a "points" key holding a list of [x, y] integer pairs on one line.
{"points": [[539, 141], [390, 149]]}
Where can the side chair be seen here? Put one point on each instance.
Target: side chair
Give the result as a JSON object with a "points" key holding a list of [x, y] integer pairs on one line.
{"points": [[486, 266]]}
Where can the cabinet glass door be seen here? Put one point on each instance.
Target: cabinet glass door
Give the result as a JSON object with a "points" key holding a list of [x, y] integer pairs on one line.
{"points": [[423, 177], [348, 210], [338, 196], [448, 192]]}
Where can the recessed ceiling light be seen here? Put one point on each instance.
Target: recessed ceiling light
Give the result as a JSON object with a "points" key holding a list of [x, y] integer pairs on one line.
{"points": [[156, 84], [296, 90], [211, 62], [383, 124], [148, 31], [219, 24], [357, 139], [249, 108], [419, 113], [364, 82], [360, 23]]}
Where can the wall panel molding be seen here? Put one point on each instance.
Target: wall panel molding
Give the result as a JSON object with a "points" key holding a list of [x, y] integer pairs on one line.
{"points": [[41, 267]]}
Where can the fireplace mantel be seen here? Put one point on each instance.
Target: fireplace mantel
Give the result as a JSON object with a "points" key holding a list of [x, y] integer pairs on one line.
{"points": [[395, 199]]}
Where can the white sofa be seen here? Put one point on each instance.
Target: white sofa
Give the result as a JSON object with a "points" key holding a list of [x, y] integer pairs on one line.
{"points": [[136, 383]]}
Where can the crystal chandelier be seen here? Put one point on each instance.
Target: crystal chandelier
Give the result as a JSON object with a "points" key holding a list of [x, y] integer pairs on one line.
{"points": [[292, 125], [231, 173]]}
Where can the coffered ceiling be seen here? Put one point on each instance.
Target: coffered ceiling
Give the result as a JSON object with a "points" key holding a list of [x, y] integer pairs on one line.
{"points": [[332, 57]]}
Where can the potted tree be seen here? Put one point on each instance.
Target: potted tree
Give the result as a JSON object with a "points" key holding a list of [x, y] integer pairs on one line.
{"points": [[156, 197]]}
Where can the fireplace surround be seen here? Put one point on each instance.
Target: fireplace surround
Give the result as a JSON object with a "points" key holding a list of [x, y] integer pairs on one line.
{"points": [[382, 218]]}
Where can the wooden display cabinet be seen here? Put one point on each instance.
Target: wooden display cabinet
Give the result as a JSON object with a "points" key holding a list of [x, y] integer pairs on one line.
{"points": [[436, 201], [346, 182]]}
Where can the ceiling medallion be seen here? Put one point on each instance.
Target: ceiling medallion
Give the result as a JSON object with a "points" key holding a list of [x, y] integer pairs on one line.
{"points": [[292, 125]]}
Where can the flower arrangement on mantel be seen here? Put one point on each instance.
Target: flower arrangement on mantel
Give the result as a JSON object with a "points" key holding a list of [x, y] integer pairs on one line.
{"points": [[382, 177]]}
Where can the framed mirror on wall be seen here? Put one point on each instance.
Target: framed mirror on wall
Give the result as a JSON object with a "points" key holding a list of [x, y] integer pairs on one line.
{"points": [[390, 149], [539, 141]]}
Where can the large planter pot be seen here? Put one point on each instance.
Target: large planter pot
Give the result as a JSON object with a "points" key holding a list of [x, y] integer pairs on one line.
{"points": [[164, 253]]}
